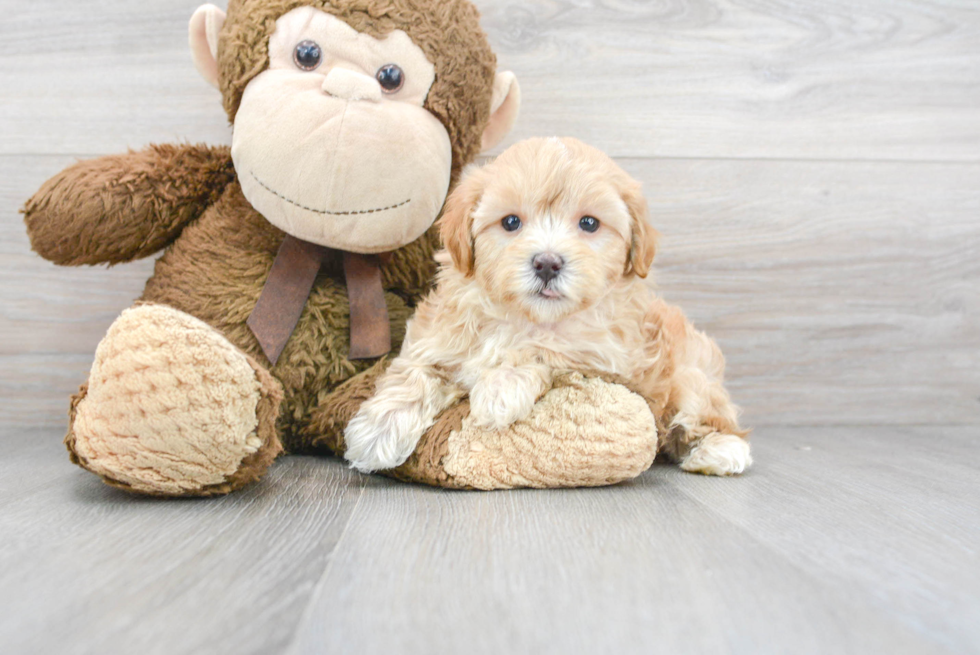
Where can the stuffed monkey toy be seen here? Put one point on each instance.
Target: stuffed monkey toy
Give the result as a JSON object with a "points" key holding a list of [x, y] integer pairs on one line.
{"points": [[292, 261]]}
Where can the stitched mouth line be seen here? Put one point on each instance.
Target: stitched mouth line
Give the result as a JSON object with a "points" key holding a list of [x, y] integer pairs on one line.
{"points": [[323, 211]]}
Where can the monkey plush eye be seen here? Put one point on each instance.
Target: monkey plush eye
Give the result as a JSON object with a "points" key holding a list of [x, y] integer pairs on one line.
{"points": [[307, 55], [511, 223], [391, 78], [589, 224]]}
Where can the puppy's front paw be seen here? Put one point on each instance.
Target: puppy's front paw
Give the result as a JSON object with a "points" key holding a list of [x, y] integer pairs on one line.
{"points": [[718, 454], [499, 400], [381, 440]]}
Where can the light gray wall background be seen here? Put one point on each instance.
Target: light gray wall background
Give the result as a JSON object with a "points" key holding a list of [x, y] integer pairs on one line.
{"points": [[814, 167]]}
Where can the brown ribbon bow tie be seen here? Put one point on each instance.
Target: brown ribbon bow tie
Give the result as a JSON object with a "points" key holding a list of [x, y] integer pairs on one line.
{"points": [[288, 288]]}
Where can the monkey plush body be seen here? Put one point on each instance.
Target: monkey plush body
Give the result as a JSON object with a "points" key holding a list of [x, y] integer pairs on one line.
{"points": [[353, 119]]}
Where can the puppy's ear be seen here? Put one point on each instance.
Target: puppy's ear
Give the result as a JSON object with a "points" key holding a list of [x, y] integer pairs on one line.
{"points": [[643, 238], [456, 224]]}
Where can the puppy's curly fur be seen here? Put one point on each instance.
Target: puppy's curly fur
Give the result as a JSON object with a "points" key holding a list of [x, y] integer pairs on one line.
{"points": [[546, 249]]}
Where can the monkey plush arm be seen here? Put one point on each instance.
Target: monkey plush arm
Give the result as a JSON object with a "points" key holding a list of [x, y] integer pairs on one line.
{"points": [[123, 207], [586, 431]]}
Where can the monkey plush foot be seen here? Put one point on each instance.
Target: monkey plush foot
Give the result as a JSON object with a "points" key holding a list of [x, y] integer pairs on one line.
{"points": [[172, 408], [585, 432]]}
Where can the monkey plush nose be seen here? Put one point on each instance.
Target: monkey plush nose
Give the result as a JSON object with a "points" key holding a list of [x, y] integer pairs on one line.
{"points": [[349, 85], [547, 266]]}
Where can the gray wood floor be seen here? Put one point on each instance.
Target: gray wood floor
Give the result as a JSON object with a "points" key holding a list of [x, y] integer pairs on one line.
{"points": [[815, 168], [841, 540]]}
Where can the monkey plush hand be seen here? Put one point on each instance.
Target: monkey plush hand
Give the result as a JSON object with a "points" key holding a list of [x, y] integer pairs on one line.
{"points": [[293, 259]]}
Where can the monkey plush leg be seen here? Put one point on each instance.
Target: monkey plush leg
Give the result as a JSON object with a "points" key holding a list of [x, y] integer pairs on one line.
{"points": [[584, 432], [172, 408]]}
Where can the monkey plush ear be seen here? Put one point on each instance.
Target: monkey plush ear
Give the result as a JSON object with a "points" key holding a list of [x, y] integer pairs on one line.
{"points": [[205, 27], [504, 107]]}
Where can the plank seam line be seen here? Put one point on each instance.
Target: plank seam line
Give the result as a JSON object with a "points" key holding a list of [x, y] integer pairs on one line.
{"points": [[824, 581], [307, 611], [621, 157], [800, 160], [809, 160], [852, 426]]}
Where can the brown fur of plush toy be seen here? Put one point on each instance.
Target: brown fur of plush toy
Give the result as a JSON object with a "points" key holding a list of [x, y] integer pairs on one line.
{"points": [[218, 255]]}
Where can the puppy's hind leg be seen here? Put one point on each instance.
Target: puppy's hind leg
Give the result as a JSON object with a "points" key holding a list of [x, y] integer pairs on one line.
{"points": [[702, 428], [389, 425]]}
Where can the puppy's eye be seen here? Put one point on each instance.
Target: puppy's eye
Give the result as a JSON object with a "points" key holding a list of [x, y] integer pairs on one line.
{"points": [[307, 55], [511, 223], [391, 78], [589, 224]]}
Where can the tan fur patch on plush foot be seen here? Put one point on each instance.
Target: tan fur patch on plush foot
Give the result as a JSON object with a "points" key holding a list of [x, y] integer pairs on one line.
{"points": [[172, 407], [585, 432]]}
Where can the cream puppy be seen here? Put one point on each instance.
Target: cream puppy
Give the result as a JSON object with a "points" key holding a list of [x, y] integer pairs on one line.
{"points": [[545, 250]]}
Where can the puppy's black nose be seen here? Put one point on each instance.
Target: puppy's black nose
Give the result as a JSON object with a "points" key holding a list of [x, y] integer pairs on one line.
{"points": [[547, 266]]}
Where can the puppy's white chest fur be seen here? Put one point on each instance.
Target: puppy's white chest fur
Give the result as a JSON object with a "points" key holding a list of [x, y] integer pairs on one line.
{"points": [[606, 337]]}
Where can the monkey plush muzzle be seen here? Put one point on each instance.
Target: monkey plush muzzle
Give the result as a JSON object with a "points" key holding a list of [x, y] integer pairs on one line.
{"points": [[329, 154]]}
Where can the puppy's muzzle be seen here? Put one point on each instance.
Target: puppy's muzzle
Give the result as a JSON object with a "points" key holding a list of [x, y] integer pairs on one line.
{"points": [[547, 266]]}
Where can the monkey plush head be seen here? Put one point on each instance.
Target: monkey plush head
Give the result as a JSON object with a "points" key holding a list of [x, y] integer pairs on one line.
{"points": [[353, 117]]}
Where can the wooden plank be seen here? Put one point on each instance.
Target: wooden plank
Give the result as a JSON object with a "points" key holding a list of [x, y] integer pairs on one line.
{"points": [[51, 318], [840, 541], [841, 294], [881, 79], [83, 78], [844, 293], [47, 308], [905, 511], [86, 568]]}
